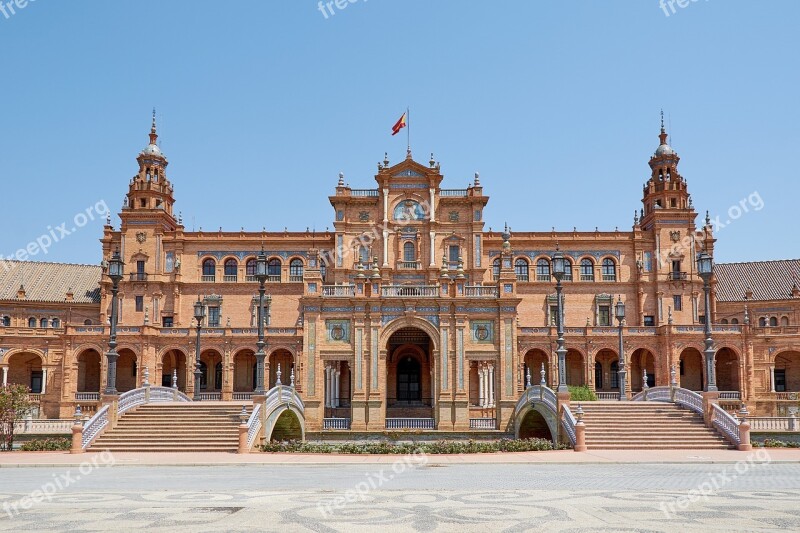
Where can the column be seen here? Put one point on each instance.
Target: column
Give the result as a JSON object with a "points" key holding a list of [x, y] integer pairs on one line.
{"points": [[433, 248], [336, 377], [481, 392], [433, 204], [44, 380], [491, 385], [327, 386], [5, 376], [772, 378], [386, 248]]}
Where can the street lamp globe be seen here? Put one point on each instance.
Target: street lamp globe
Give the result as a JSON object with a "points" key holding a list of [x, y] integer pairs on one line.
{"points": [[619, 310], [705, 264], [115, 267], [261, 267], [559, 265], [199, 311]]}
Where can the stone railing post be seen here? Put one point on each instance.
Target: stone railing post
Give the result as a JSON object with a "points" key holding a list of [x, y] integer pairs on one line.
{"points": [[563, 401], [710, 398], [243, 431], [673, 384], [77, 432], [112, 400], [744, 431], [793, 422], [580, 431]]}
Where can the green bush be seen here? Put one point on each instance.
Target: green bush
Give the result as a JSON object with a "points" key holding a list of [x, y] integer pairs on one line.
{"points": [[432, 448], [582, 393], [774, 443], [51, 444]]}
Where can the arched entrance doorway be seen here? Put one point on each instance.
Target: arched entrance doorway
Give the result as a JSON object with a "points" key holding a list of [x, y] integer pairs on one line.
{"points": [[691, 369], [606, 371], [89, 363], [727, 369], [173, 363], [127, 370], [534, 426], [244, 371], [534, 360], [25, 368], [280, 359], [409, 379], [642, 360], [575, 374]]}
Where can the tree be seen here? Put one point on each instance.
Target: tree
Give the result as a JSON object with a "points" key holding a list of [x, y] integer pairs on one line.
{"points": [[14, 405]]}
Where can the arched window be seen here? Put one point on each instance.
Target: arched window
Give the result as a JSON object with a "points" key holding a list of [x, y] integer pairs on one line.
{"points": [[521, 268], [43, 323], [56, 323], [542, 270], [762, 322], [31, 322], [87, 322], [7, 321], [724, 321], [296, 270], [231, 268], [409, 252], [609, 270], [587, 270], [784, 321], [734, 321], [567, 270], [496, 269], [250, 270], [209, 270], [274, 270], [773, 322]]}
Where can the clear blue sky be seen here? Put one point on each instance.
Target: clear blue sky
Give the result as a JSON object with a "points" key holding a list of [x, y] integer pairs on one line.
{"points": [[262, 103]]}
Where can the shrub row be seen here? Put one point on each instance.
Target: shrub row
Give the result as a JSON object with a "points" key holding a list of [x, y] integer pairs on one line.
{"points": [[774, 443], [50, 444], [582, 393], [388, 448]]}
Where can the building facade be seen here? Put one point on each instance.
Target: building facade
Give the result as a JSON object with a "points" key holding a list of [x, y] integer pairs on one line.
{"points": [[408, 309]]}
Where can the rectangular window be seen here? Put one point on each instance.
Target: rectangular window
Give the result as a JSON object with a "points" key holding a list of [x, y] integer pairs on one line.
{"points": [[140, 267], [213, 317], [37, 379], [648, 261], [139, 304], [677, 302], [780, 380], [554, 315], [702, 319], [167, 321], [649, 320], [455, 253], [604, 315]]}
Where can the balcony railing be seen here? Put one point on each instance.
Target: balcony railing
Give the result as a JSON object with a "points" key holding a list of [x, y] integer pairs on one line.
{"points": [[793, 396], [453, 193], [678, 276], [543, 277], [336, 423], [774, 423], [296, 279], [482, 423], [368, 193], [339, 291], [730, 395], [274, 278], [480, 291], [410, 423], [587, 277], [403, 291], [239, 396], [229, 279], [208, 279], [609, 277], [210, 396], [138, 276], [607, 396], [408, 265], [520, 277], [35, 397], [87, 396], [250, 279]]}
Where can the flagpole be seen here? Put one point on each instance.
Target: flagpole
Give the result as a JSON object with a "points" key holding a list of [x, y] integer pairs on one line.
{"points": [[408, 127]]}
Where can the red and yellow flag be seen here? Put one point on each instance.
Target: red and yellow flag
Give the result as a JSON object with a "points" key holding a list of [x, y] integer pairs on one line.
{"points": [[400, 125]]}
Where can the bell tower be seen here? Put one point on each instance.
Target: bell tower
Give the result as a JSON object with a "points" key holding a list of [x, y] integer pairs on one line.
{"points": [[150, 194], [666, 195]]}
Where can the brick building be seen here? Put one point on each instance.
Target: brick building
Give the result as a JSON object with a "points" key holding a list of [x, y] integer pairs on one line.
{"points": [[408, 309]]}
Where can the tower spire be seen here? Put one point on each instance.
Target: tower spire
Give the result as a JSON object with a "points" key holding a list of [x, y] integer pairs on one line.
{"points": [[663, 136], [153, 134]]}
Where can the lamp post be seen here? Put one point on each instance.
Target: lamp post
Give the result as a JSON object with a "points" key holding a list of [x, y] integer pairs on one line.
{"points": [[619, 312], [199, 315], [705, 267], [261, 276], [115, 267], [559, 270]]}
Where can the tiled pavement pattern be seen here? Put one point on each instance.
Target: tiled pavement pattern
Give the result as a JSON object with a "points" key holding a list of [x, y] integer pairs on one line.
{"points": [[461, 498]]}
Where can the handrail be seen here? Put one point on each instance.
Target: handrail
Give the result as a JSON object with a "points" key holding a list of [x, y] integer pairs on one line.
{"points": [[568, 423], [538, 394], [727, 424], [283, 394], [95, 426], [657, 394], [253, 426], [689, 399]]}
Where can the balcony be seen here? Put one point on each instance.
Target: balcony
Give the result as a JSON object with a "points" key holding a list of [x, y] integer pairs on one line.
{"points": [[229, 279], [482, 423], [251, 279], [453, 193], [138, 276], [543, 277], [339, 291], [273, 278], [336, 423], [365, 193], [587, 277], [520, 277], [480, 291], [610, 277], [296, 279], [408, 265], [412, 291], [410, 423], [677, 276], [208, 279], [87, 396]]}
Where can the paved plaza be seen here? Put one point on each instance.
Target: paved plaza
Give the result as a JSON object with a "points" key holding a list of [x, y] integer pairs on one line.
{"points": [[405, 494]]}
